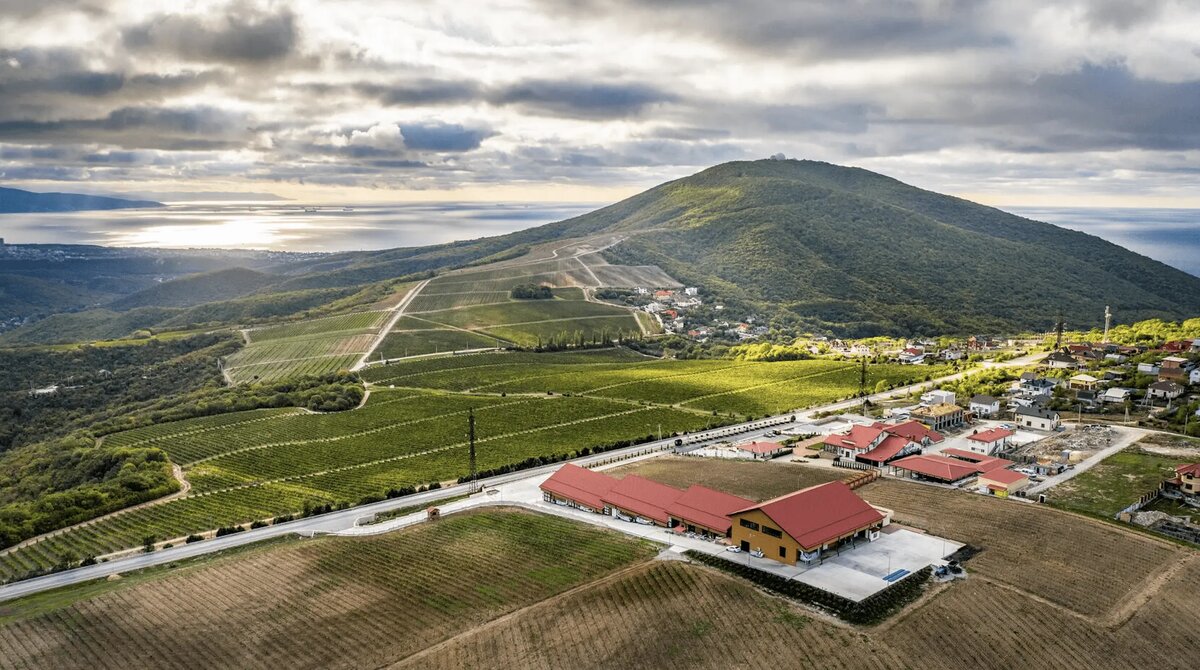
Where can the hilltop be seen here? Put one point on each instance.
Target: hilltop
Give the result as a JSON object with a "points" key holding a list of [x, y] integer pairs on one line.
{"points": [[13, 200], [858, 253]]}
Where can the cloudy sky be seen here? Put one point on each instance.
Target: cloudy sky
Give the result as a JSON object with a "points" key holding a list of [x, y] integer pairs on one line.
{"points": [[1018, 102]]}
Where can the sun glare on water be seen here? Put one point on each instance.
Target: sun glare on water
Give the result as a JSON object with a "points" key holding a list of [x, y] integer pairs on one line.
{"points": [[256, 234]]}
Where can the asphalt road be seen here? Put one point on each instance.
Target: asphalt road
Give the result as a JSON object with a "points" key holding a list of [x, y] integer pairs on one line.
{"points": [[346, 518]]}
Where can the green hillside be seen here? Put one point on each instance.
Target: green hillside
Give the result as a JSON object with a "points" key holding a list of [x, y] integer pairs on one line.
{"points": [[858, 253], [198, 289]]}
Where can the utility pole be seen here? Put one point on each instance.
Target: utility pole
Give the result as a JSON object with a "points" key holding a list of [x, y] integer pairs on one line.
{"points": [[471, 437], [1058, 332], [862, 384]]}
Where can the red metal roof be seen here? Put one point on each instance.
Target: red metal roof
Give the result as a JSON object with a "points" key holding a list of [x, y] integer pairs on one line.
{"points": [[703, 506], [643, 497], [914, 430], [888, 448], [1007, 477], [859, 437], [579, 484], [991, 435], [982, 463], [819, 514], [761, 447], [937, 467], [1192, 469]]}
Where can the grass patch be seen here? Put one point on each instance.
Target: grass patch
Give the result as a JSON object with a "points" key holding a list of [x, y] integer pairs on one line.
{"points": [[1114, 483]]}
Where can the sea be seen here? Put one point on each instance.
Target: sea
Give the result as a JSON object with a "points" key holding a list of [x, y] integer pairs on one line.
{"points": [[1171, 236]]}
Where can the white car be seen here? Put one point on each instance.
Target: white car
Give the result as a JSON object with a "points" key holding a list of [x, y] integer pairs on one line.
{"points": [[734, 549], [756, 553]]}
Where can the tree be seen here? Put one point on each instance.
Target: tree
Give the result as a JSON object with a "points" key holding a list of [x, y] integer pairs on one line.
{"points": [[148, 544]]}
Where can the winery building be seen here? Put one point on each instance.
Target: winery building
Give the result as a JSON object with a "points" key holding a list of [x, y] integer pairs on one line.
{"points": [[801, 525]]}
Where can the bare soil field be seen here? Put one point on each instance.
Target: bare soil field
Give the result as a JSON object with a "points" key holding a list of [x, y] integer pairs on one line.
{"points": [[319, 604], [665, 615], [757, 480], [1085, 565], [981, 624]]}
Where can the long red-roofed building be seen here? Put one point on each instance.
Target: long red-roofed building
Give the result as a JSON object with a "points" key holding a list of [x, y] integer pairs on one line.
{"points": [[574, 486], [981, 462], [800, 525], [703, 510], [641, 499]]}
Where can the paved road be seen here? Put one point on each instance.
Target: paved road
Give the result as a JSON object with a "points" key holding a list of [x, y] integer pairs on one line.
{"points": [[347, 518]]}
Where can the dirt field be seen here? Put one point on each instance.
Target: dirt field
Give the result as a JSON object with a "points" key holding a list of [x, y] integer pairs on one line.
{"points": [[667, 615], [981, 624], [757, 480], [324, 603], [1086, 565]]}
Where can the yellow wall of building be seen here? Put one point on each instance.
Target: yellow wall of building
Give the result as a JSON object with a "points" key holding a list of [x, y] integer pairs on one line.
{"points": [[760, 540]]}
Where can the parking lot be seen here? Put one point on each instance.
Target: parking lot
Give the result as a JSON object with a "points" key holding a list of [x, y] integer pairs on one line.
{"points": [[858, 572]]}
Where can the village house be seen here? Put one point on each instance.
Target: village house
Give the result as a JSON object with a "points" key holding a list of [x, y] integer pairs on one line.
{"points": [[1061, 361], [880, 443], [1175, 369], [1164, 390], [1185, 484], [984, 406], [1194, 376], [940, 416], [1116, 395], [911, 356], [1147, 368], [990, 441], [1002, 483], [1037, 418], [763, 450], [1084, 382]]}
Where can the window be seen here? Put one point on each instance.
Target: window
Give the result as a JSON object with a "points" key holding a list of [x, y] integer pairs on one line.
{"points": [[748, 524], [783, 552], [773, 532]]}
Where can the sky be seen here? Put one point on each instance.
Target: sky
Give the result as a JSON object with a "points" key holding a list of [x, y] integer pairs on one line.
{"points": [[1007, 102]]}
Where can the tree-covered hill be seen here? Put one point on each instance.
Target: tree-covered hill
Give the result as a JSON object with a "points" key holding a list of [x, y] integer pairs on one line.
{"points": [[858, 253], [15, 200]]}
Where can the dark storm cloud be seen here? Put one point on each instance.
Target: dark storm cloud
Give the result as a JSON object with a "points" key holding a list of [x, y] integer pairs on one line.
{"points": [[1093, 108], [443, 136], [420, 92], [580, 99], [241, 35], [140, 127]]}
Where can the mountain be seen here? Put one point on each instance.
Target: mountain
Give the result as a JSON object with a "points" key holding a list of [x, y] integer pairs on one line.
{"points": [[14, 200], [856, 253]]}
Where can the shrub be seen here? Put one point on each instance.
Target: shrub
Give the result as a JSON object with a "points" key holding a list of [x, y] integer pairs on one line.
{"points": [[193, 538]]}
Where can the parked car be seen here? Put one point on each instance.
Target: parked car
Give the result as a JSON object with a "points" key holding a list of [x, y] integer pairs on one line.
{"points": [[734, 549]]}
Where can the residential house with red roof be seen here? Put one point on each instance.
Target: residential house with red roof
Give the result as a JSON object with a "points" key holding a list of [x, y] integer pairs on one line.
{"points": [[989, 441], [880, 443], [1001, 482], [764, 450], [1186, 483], [801, 525]]}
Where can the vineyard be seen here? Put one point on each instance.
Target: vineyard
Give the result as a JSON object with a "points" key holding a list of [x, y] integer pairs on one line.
{"points": [[417, 342], [257, 465], [356, 603], [312, 347], [735, 387], [665, 615]]}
